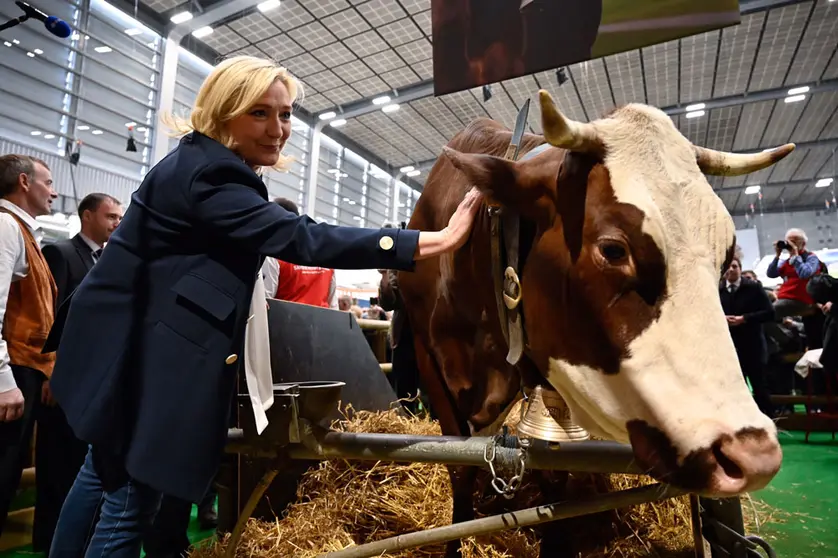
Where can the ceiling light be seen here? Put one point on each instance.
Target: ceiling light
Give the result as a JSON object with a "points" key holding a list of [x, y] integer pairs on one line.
{"points": [[337, 123], [38, 51], [35, 133], [202, 32], [823, 183], [695, 114], [268, 5], [142, 129], [795, 98], [130, 124], [406, 169], [384, 99], [414, 173], [7, 43], [75, 36], [132, 32], [327, 115], [83, 128], [333, 171], [103, 49], [799, 90], [697, 106], [390, 108], [49, 136], [30, 55], [181, 17], [750, 190], [97, 132], [15, 41]]}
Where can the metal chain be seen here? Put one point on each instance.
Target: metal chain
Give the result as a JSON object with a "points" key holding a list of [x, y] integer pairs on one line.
{"points": [[506, 489]]}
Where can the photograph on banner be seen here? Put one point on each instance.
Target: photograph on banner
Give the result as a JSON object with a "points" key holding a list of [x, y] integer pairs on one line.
{"points": [[479, 42]]}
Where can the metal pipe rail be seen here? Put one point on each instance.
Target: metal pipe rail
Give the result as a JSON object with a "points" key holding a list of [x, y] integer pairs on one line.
{"points": [[587, 456], [511, 520]]}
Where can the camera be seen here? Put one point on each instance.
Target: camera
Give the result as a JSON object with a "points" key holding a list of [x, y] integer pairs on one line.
{"points": [[782, 245], [373, 301]]}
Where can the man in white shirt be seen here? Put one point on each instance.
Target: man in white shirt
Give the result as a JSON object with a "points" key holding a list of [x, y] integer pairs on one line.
{"points": [[27, 307]]}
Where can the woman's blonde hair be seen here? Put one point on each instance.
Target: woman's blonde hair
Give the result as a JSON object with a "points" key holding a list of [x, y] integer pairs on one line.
{"points": [[231, 88]]}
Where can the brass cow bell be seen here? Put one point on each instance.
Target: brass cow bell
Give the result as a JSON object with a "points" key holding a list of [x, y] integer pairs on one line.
{"points": [[547, 417]]}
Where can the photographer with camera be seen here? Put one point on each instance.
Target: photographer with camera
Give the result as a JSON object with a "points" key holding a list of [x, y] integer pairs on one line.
{"points": [[801, 265]]}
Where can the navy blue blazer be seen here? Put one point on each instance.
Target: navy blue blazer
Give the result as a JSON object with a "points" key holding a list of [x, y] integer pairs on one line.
{"points": [[143, 343]]}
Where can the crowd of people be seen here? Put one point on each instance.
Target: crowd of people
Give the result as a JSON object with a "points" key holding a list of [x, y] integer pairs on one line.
{"points": [[768, 325]]}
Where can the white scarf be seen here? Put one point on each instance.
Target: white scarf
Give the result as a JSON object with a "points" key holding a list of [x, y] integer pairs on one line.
{"points": [[257, 356]]}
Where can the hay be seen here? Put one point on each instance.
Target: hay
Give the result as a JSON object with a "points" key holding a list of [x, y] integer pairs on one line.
{"points": [[343, 503]]}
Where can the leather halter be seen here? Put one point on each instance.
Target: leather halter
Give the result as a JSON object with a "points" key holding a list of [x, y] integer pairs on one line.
{"points": [[508, 293]]}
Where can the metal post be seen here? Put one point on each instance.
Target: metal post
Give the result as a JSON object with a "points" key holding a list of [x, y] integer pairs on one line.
{"points": [[511, 520], [165, 95], [723, 526], [313, 167], [396, 194]]}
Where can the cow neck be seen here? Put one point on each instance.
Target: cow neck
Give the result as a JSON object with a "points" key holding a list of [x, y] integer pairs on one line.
{"points": [[506, 266]]}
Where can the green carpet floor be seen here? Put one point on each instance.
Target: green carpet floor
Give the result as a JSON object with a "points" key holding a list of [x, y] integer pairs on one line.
{"points": [[195, 535], [804, 495]]}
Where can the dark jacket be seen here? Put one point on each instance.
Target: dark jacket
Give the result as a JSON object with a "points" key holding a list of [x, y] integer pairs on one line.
{"points": [[69, 261], [146, 367], [823, 288], [750, 302]]}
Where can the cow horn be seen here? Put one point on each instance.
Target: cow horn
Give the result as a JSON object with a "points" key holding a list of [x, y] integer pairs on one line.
{"points": [[563, 132], [722, 163]]}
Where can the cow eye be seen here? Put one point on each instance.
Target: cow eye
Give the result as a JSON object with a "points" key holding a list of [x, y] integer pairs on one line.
{"points": [[614, 252]]}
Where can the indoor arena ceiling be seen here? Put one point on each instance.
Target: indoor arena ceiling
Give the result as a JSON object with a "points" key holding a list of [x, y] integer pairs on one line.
{"points": [[349, 52]]}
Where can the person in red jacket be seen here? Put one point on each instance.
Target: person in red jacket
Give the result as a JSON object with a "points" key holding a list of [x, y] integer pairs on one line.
{"points": [[801, 265], [792, 297], [315, 286]]}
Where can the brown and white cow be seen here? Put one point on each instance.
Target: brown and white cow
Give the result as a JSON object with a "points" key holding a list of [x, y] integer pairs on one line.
{"points": [[622, 246]]}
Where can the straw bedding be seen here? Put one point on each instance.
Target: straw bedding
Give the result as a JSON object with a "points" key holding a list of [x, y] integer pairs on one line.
{"points": [[341, 503]]}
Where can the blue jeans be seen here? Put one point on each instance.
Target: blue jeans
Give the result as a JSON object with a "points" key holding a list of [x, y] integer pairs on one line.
{"points": [[106, 512]]}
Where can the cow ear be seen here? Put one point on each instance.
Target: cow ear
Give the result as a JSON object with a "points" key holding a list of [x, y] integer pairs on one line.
{"points": [[500, 179]]}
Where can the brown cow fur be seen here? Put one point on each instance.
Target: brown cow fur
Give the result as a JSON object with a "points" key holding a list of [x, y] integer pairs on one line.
{"points": [[462, 355]]}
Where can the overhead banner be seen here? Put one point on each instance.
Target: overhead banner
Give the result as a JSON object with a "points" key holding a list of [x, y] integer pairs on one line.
{"points": [[478, 42]]}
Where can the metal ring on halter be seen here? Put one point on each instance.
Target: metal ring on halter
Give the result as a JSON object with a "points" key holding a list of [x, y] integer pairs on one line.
{"points": [[512, 292]]}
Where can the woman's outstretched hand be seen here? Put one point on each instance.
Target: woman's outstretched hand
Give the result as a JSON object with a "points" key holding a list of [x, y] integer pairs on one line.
{"points": [[456, 233]]}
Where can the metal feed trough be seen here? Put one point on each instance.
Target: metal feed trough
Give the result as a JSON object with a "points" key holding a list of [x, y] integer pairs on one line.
{"points": [[296, 432]]}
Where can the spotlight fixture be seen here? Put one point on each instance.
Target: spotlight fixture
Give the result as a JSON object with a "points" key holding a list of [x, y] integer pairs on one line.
{"points": [[561, 76], [487, 93]]}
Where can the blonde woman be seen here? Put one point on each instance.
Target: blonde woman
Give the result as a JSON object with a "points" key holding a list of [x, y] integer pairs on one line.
{"points": [[153, 339]]}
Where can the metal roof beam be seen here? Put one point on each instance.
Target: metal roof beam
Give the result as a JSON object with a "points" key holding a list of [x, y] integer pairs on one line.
{"points": [[365, 106], [217, 12], [751, 6], [425, 89], [746, 98], [769, 185]]}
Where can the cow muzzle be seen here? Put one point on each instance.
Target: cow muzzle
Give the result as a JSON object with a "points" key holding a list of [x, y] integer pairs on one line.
{"points": [[735, 463]]}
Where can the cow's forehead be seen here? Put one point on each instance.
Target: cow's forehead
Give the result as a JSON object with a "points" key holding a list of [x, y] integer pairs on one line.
{"points": [[652, 166]]}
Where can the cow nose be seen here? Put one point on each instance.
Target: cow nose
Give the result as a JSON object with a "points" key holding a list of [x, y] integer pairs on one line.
{"points": [[736, 462], [745, 462]]}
